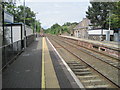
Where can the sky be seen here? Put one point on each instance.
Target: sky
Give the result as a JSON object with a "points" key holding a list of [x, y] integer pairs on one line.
{"points": [[49, 12]]}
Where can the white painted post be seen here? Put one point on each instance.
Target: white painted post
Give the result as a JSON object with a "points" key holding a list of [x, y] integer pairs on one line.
{"points": [[108, 32], [116, 37], [107, 35]]}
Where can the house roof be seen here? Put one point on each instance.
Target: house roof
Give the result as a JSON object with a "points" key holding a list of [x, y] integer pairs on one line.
{"points": [[83, 24]]}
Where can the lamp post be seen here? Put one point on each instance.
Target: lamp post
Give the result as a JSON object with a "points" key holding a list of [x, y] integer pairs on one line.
{"points": [[109, 20], [24, 27], [35, 25], [39, 26], [108, 32]]}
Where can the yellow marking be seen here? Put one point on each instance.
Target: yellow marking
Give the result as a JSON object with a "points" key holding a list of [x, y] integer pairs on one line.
{"points": [[49, 78], [50, 75], [43, 65]]}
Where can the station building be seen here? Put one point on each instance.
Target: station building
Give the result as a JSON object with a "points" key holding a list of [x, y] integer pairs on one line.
{"points": [[85, 30], [81, 30]]}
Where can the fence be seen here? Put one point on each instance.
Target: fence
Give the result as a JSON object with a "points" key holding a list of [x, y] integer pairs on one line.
{"points": [[13, 42], [11, 51]]}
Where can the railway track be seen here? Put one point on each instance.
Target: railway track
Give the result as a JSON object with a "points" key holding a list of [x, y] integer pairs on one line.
{"points": [[88, 75], [99, 55], [94, 50]]}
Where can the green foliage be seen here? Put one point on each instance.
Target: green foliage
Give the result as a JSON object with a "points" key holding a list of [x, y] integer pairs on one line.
{"points": [[115, 18], [18, 13], [57, 29], [98, 13], [29, 15], [38, 26], [69, 24], [9, 7]]}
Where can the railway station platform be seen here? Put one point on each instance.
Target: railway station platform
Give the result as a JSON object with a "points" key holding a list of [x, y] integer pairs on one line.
{"points": [[39, 66], [108, 47]]}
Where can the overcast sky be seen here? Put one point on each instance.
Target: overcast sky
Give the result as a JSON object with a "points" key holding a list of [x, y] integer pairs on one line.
{"points": [[58, 11]]}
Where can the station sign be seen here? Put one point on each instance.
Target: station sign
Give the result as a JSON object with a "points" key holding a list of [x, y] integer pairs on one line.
{"points": [[8, 17]]}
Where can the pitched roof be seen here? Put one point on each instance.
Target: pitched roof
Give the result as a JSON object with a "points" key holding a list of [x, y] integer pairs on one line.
{"points": [[83, 24]]}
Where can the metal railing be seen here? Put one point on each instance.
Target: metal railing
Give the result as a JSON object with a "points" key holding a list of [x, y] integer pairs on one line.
{"points": [[9, 52]]}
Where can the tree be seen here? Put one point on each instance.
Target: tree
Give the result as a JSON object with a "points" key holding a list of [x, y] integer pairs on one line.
{"points": [[98, 13], [29, 15], [18, 13], [57, 29], [10, 6], [115, 17], [67, 24], [38, 26]]}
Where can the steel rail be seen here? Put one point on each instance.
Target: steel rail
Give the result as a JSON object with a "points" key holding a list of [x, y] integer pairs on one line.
{"points": [[87, 63], [93, 55]]}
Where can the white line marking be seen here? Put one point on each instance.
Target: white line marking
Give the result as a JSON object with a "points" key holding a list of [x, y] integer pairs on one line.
{"points": [[68, 68]]}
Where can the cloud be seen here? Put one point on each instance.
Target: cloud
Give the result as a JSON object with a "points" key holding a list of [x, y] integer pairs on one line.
{"points": [[57, 0], [58, 12], [72, 0]]}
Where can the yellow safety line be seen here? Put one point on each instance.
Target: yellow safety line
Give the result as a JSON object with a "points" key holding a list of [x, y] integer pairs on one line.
{"points": [[43, 65]]}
